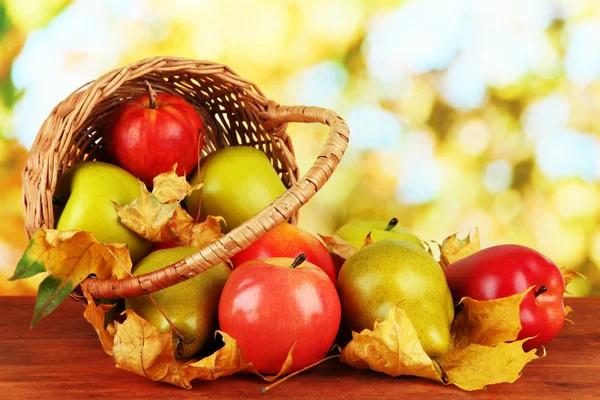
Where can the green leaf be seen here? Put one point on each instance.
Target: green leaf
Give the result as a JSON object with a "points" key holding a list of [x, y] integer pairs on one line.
{"points": [[30, 263], [51, 293]]}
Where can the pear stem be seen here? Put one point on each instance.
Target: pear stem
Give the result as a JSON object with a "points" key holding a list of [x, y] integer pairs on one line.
{"points": [[299, 260], [392, 224], [151, 94], [542, 289]]}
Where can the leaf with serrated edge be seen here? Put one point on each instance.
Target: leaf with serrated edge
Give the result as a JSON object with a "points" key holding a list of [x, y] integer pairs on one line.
{"points": [[339, 246], [147, 216], [186, 232], [168, 187], [392, 347], [454, 249], [476, 366], [568, 275], [94, 314], [482, 349], [486, 323], [140, 348], [70, 257]]}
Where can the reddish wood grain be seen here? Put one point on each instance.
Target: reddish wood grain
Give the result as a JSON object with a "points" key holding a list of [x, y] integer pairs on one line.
{"points": [[61, 358]]}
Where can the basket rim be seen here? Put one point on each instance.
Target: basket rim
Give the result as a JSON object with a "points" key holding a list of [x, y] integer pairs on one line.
{"points": [[274, 119]]}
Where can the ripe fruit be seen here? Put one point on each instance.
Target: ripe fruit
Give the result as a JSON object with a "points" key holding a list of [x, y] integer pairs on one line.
{"points": [[268, 305], [355, 233], [88, 191], [394, 272], [151, 133], [190, 305], [238, 182], [287, 240], [504, 270]]}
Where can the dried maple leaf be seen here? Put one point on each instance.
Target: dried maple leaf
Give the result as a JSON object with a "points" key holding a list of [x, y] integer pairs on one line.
{"points": [[392, 347], [483, 350], [454, 249], [159, 217], [568, 275], [486, 323], [186, 232], [169, 187], [339, 247], [476, 366], [147, 216], [140, 348], [94, 314], [70, 257]]}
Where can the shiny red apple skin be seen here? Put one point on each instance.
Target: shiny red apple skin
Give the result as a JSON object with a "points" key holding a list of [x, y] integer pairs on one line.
{"points": [[148, 141], [505, 270], [287, 240], [267, 307]]}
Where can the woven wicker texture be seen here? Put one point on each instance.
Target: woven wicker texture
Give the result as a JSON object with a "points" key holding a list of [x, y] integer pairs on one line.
{"points": [[234, 112]]}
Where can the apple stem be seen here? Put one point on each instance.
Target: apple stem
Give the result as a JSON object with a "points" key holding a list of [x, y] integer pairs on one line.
{"points": [[299, 260], [392, 224], [151, 94], [542, 289]]}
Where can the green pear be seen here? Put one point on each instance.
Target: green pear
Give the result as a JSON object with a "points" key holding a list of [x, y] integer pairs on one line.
{"points": [[191, 305], [355, 233], [239, 181], [88, 191], [395, 272]]}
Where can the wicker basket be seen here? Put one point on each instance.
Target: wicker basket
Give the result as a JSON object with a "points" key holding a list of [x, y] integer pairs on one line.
{"points": [[234, 112]]}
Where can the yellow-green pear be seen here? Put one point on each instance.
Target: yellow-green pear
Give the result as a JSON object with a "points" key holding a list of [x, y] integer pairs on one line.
{"points": [[395, 272], [191, 305], [239, 181], [88, 191], [355, 233]]}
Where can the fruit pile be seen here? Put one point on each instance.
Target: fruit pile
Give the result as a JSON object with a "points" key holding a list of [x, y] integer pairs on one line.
{"points": [[473, 318]]}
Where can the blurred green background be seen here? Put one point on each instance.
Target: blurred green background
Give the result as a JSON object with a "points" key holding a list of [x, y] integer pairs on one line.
{"points": [[462, 113]]}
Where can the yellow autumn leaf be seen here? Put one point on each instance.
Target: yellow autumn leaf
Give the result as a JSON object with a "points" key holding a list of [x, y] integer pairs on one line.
{"points": [[147, 216], [482, 350], [94, 314], [70, 257], [454, 249], [476, 366], [140, 348], [186, 232], [159, 217], [486, 323], [338, 246], [169, 187], [392, 347], [568, 275]]}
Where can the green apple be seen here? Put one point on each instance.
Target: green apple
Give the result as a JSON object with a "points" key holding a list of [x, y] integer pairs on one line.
{"points": [[191, 305], [239, 181], [355, 233], [88, 191], [396, 272]]}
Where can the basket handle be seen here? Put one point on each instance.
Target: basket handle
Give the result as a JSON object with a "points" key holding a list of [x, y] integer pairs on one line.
{"points": [[242, 236]]}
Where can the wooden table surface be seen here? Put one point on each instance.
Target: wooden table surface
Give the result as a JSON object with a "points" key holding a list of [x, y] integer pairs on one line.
{"points": [[61, 358]]}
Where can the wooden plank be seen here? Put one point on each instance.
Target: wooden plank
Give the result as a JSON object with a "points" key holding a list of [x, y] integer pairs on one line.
{"points": [[62, 358]]}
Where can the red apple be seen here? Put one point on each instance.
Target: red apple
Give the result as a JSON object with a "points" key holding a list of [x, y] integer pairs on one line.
{"points": [[504, 270], [151, 133], [268, 305], [287, 240]]}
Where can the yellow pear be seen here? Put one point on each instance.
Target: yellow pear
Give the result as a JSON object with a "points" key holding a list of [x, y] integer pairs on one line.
{"points": [[191, 305]]}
